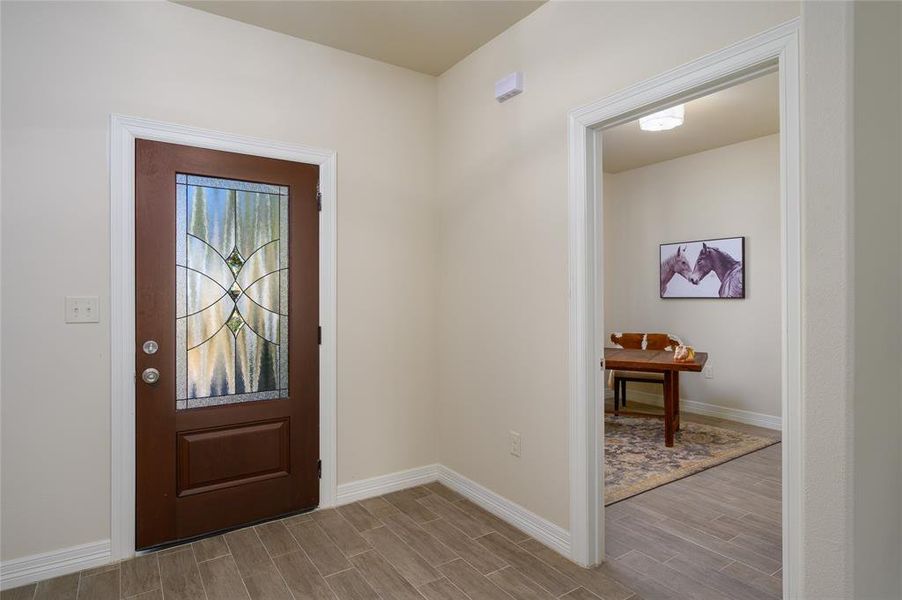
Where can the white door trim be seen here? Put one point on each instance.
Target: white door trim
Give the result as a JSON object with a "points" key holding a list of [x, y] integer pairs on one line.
{"points": [[778, 47], [123, 132]]}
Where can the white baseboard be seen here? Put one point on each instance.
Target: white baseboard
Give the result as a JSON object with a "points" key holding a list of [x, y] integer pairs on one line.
{"points": [[22, 571], [384, 484], [543, 530], [28, 569], [710, 410]]}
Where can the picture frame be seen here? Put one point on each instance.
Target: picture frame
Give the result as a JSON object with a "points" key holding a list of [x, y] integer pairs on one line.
{"points": [[708, 269]]}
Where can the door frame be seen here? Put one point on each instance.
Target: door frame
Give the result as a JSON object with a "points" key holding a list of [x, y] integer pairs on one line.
{"points": [[123, 132], [777, 48]]}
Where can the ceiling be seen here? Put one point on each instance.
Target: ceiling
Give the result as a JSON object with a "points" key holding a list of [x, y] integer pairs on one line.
{"points": [[428, 37], [743, 112]]}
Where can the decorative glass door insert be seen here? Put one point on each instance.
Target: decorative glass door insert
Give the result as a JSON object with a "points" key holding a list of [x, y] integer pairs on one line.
{"points": [[231, 291]]}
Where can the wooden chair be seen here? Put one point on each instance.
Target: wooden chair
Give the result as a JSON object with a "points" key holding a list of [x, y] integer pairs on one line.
{"points": [[638, 341]]}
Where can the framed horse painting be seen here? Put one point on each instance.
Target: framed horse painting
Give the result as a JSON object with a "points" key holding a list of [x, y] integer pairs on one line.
{"points": [[703, 269]]}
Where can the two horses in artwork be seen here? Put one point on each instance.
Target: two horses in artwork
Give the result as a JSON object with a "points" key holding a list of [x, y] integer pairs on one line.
{"points": [[727, 269]]}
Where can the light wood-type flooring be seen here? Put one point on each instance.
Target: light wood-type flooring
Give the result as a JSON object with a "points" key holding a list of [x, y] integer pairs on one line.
{"points": [[714, 535]]}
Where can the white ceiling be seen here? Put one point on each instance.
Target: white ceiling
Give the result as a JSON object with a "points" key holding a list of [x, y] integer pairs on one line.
{"points": [[743, 112], [428, 37]]}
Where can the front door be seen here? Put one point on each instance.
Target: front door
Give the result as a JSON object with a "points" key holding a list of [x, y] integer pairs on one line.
{"points": [[227, 336]]}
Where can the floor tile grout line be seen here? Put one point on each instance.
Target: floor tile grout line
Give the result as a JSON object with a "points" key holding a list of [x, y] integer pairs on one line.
{"points": [[160, 577], [486, 577], [493, 530], [272, 559], [451, 583], [335, 592], [199, 574], [538, 558], [77, 587], [697, 580], [571, 591], [456, 557], [393, 568], [428, 533], [685, 539], [371, 513], [351, 568], [506, 566], [565, 558], [363, 508], [452, 505], [240, 576], [640, 574], [412, 549], [333, 540], [305, 551]]}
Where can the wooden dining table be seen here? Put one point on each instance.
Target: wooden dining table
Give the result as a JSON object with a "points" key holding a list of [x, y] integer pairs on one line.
{"points": [[657, 361]]}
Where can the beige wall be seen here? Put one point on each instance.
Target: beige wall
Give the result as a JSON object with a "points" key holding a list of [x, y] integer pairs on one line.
{"points": [[502, 191], [729, 191], [878, 311], [66, 67], [827, 302], [493, 293]]}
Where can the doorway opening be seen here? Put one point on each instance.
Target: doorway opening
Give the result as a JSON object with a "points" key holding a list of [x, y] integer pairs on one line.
{"points": [[692, 268], [774, 53]]}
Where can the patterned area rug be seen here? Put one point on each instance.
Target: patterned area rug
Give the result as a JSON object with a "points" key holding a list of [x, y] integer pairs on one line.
{"points": [[636, 459]]}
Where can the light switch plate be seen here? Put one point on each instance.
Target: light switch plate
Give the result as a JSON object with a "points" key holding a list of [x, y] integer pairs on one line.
{"points": [[82, 309]]}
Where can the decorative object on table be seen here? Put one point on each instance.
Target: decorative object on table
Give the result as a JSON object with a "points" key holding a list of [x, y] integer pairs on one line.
{"points": [[684, 353], [636, 460], [707, 268], [638, 341]]}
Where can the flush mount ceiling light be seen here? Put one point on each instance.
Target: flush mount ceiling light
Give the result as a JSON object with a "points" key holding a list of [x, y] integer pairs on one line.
{"points": [[663, 120]]}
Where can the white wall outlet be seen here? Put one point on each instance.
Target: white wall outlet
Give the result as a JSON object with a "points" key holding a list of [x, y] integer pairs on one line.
{"points": [[708, 371], [82, 309], [514, 438]]}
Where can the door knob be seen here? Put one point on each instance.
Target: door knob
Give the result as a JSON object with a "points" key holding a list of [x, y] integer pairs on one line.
{"points": [[150, 375]]}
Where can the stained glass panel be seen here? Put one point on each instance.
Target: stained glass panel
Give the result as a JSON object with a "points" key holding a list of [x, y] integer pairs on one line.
{"points": [[231, 291]]}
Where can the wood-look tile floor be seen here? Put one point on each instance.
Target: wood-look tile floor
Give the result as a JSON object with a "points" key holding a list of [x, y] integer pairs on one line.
{"points": [[715, 535]]}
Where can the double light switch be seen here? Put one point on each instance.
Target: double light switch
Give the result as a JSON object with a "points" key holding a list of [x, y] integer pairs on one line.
{"points": [[82, 309]]}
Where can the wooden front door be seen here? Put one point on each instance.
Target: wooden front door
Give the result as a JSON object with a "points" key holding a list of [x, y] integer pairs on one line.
{"points": [[227, 336]]}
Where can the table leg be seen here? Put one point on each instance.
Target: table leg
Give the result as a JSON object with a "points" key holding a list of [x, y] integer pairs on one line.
{"points": [[668, 408], [676, 400]]}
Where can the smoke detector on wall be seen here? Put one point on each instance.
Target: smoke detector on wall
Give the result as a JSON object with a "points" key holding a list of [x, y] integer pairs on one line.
{"points": [[508, 86]]}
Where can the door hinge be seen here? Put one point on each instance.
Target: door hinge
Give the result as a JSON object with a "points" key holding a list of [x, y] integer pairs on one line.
{"points": [[319, 198], [319, 336], [319, 469]]}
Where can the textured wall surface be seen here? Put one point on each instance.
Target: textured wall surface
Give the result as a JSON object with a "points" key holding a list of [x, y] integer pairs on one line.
{"points": [[502, 193], [729, 191], [66, 67]]}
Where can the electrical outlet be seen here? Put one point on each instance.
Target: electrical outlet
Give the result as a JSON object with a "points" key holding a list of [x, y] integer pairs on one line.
{"points": [[708, 371], [514, 438], [82, 309]]}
